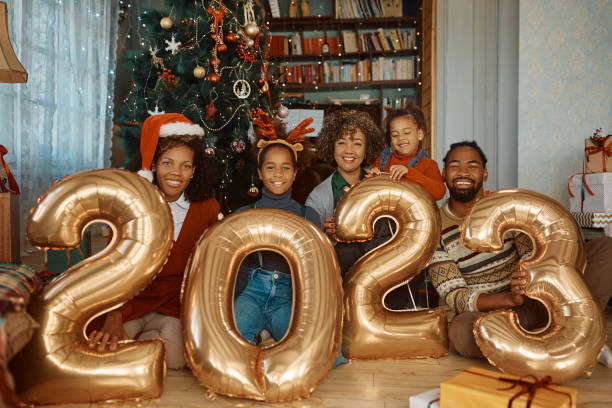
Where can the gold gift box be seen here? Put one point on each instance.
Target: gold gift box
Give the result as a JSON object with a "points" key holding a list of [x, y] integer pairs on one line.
{"points": [[475, 388], [598, 157]]}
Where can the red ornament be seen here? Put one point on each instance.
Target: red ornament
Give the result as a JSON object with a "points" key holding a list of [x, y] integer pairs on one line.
{"points": [[214, 78], [214, 62], [231, 38], [222, 48], [213, 36], [261, 82], [211, 110]]}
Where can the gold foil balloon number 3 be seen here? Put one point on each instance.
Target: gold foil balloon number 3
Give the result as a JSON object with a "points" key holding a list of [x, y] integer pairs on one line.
{"points": [[222, 360], [570, 343], [57, 366], [370, 330]]}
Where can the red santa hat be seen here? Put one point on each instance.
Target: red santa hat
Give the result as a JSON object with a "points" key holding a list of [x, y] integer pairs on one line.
{"points": [[162, 125]]}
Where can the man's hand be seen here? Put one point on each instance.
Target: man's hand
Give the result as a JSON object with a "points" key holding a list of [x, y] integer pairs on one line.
{"points": [[110, 334], [397, 171], [372, 172], [518, 282]]}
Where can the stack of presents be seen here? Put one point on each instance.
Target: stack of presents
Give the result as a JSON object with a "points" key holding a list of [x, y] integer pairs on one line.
{"points": [[591, 191]]}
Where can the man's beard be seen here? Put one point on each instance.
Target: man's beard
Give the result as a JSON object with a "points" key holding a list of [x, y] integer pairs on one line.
{"points": [[465, 195]]}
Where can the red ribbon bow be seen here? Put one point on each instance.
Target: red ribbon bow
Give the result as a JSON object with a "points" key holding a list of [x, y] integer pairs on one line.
{"points": [[599, 145], [12, 183]]}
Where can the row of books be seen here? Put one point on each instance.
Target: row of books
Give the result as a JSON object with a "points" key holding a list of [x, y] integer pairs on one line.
{"points": [[370, 8], [380, 40], [378, 69]]}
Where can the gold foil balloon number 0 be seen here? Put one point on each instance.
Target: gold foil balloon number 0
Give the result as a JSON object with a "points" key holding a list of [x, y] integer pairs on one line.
{"points": [[222, 360], [57, 366], [570, 343], [370, 330]]}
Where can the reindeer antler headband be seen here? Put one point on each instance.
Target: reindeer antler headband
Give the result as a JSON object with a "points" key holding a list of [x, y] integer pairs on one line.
{"points": [[266, 130]]}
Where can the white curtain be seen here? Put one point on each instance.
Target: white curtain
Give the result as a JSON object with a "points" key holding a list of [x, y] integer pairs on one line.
{"points": [[60, 121]]}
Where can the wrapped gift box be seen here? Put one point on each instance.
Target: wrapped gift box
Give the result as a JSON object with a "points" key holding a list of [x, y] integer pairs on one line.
{"points": [[427, 399], [598, 154], [9, 228], [592, 192], [476, 387], [592, 219]]}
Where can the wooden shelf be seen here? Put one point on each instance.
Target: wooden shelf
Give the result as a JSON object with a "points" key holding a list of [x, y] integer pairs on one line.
{"points": [[340, 56], [369, 84], [328, 22]]}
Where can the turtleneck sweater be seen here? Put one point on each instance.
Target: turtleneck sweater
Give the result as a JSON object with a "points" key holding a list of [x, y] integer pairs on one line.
{"points": [[272, 261]]}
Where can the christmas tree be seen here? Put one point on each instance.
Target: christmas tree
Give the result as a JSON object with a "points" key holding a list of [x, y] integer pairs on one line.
{"points": [[207, 60]]}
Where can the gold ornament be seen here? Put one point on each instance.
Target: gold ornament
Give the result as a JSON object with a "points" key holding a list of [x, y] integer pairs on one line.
{"points": [[370, 330], [264, 88], [166, 23], [253, 191], [576, 332], [57, 366], [250, 43], [199, 72], [251, 29], [209, 152], [223, 361]]}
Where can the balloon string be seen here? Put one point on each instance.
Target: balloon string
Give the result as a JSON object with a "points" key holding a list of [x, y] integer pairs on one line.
{"points": [[411, 297]]}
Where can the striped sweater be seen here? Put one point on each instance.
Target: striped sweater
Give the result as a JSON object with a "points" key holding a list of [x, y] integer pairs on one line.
{"points": [[460, 275]]}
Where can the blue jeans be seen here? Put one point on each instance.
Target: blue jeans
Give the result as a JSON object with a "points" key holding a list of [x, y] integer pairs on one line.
{"points": [[266, 303]]}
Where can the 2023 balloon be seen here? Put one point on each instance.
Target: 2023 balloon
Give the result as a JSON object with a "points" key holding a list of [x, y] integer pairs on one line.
{"points": [[226, 363], [370, 330], [57, 366], [570, 343]]}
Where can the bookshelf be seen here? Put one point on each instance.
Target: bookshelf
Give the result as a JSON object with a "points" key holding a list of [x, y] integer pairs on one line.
{"points": [[375, 56]]}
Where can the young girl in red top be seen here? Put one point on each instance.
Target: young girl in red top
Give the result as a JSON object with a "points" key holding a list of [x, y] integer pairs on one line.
{"points": [[183, 176], [405, 160]]}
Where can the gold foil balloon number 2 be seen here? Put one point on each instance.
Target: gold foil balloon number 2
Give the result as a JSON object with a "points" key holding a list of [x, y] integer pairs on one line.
{"points": [[570, 343], [57, 366], [370, 330]]}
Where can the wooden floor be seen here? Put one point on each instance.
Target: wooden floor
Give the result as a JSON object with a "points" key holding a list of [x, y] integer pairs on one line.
{"points": [[371, 384]]}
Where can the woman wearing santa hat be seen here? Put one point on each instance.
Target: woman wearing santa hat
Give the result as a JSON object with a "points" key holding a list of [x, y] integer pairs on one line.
{"points": [[172, 158]]}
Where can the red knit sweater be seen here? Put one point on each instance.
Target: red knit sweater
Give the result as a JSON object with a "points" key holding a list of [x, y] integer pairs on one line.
{"points": [[163, 294], [426, 173]]}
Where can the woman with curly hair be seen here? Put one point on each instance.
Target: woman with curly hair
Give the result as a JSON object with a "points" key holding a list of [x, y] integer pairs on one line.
{"points": [[172, 147], [350, 140]]}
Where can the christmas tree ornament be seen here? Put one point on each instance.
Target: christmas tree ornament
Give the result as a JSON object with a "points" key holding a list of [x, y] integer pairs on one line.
{"points": [[221, 47], [282, 111], [155, 112], [214, 62], [253, 191], [199, 72], [238, 145], [166, 23], [173, 45], [214, 36], [155, 60], [211, 110], [264, 88], [242, 89], [213, 77], [261, 82], [231, 38], [251, 30], [209, 152]]}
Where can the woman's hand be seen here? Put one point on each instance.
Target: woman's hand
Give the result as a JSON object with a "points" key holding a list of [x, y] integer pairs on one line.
{"points": [[397, 171], [111, 332], [330, 227]]}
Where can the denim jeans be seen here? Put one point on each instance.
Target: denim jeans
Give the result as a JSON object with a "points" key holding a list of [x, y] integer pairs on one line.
{"points": [[266, 303]]}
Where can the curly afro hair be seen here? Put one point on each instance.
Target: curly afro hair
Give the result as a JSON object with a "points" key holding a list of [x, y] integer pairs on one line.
{"points": [[412, 111], [342, 122], [201, 186]]}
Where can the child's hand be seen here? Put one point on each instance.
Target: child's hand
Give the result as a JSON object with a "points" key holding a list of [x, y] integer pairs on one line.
{"points": [[330, 226], [518, 282], [110, 334], [397, 171], [372, 172]]}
